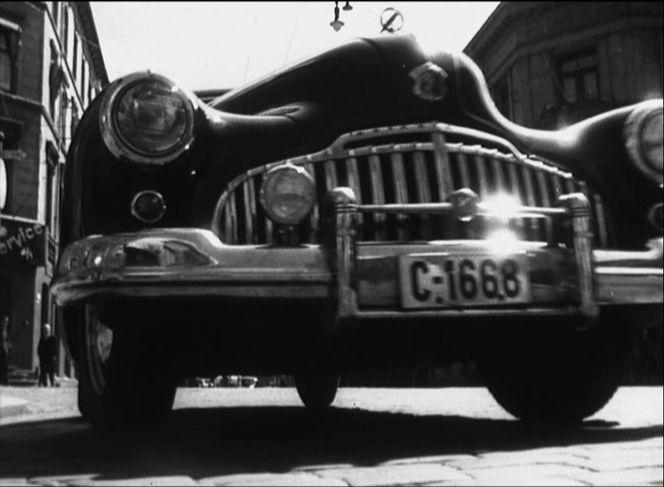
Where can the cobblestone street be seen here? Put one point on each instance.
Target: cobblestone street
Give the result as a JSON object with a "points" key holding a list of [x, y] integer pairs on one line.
{"points": [[372, 437]]}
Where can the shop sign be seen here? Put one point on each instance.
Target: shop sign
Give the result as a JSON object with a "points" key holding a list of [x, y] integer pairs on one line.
{"points": [[22, 242]]}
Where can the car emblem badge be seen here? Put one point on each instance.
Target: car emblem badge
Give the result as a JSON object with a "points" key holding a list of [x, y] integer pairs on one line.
{"points": [[429, 81]]}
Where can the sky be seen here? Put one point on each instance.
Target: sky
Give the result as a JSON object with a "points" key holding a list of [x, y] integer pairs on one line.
{"points": [[206, 45]]}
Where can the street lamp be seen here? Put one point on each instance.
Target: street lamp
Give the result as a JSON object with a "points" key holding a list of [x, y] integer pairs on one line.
{"points": [[336, 23]]}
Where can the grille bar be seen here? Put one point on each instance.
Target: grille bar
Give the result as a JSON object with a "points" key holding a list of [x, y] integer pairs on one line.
{"points": [[249, 210], [427, 171], [400, 190], [378, 195], [442, 163]]}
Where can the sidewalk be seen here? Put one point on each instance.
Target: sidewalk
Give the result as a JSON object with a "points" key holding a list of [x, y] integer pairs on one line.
{"points": [[22, 400], [11, 406]]}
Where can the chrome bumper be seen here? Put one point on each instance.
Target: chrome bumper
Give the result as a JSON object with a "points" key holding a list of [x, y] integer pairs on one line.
{"points": [[183, 262]]}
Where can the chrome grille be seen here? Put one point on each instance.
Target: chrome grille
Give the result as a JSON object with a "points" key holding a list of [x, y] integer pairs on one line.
{"points": [[437, 160]]}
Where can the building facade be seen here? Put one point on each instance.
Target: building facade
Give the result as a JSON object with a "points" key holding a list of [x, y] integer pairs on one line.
{"points": [[51, 67], [550, 64]]}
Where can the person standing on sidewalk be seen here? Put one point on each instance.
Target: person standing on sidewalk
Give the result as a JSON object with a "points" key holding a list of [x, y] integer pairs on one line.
{"points": [[47, 350], [5, 350]]}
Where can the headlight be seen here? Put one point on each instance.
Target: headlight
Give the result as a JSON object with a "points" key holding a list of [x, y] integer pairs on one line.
{"points": [[147, 119], [643, 138], [288, 194]]}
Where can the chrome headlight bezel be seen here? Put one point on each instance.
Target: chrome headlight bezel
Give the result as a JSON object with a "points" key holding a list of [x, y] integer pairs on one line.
{"points": [[634, 128], [118, 145], [308, 186]]}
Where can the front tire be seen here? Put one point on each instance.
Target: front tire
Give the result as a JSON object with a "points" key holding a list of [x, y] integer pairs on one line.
{"points": [[122, 375], [317, 390], [557, 375]]}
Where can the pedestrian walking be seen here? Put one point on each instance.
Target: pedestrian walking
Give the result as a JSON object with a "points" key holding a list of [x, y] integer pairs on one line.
{"points": [[5, 350], [47, 350]]}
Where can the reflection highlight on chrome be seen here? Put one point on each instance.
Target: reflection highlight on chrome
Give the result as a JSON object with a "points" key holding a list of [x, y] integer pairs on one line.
{"points": [[502, 242], [502, 205]]}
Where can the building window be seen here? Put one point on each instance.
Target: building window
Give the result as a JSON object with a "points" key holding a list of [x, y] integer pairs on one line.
{"points": [[55, 11], [9, 44], [52, 185], [84, 72], [64, 34], [90, 93], [75, 61], [55, 81], [579, 76], [74, 116]]}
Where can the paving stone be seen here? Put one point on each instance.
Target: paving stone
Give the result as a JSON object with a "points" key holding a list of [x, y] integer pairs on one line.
{"points": [[655, 443], [14, 481], [396, 474], [552, 457], [147, 481], [271, 479], [322, 466], [52, 480], [529, 475], [607, 460], [632, 476], [440, 459]]}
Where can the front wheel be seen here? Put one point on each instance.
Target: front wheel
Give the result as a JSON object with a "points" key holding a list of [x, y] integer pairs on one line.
{"points": [[317, 389], [123, 377], [558, 375]]}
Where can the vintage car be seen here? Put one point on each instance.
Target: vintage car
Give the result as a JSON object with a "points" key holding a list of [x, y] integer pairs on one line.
{"points": [[367, 207]]}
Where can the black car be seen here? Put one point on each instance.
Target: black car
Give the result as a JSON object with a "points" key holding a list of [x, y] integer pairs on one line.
{"points": [[368, 206]]}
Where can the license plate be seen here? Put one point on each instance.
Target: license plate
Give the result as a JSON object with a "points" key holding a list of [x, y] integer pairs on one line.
{"points": [[443, 280]]}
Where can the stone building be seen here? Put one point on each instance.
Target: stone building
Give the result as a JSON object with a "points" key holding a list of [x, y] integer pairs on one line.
{"points": [[549, 64], [51, 67]]}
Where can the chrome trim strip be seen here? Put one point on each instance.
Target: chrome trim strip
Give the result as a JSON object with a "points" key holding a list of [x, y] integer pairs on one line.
{"points": [[579, 207], [466, 313], [442, 165], [447, 208], [462, 162], [498, 170], [423, 190], [330, 174], [544, 188], [400, 190], [602, 238], [377, 193], [354, 176], [314, 218], [249, 196], [481, 176]]}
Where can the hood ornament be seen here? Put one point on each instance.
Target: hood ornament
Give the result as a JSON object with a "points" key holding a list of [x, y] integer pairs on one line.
{"points": [[430, 81]]}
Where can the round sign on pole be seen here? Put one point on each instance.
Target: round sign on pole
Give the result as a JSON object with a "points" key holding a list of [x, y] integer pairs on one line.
{"points": [[391, 20], [3, 185]]}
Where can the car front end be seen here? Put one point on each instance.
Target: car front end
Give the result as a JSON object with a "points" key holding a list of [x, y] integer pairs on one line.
{"points": [[435, 221]]}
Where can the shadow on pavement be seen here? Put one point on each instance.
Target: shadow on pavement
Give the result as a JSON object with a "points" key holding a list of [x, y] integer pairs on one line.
{"points": [[221, 441]]}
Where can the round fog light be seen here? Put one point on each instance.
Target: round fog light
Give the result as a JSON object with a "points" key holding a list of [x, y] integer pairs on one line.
{"points": [[148, 206], [288, 194]]}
